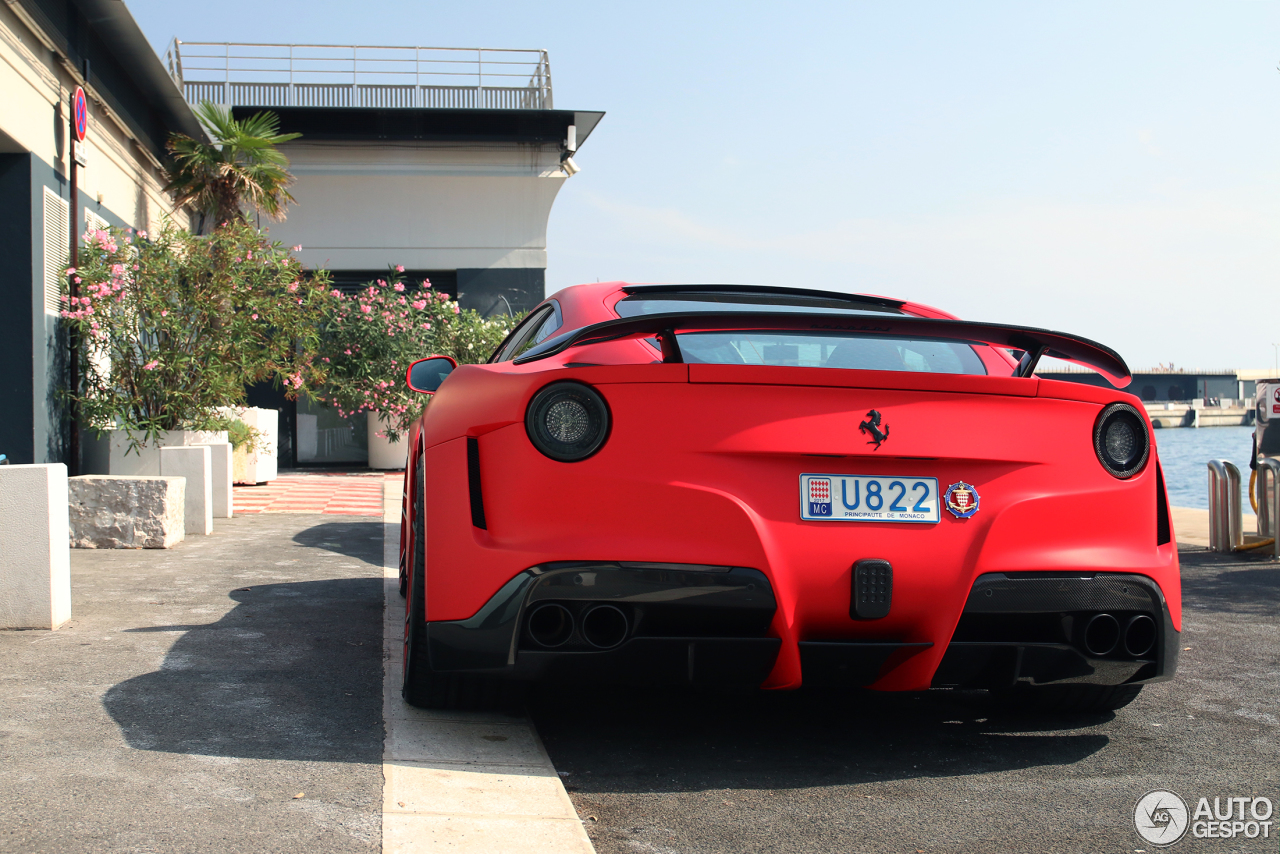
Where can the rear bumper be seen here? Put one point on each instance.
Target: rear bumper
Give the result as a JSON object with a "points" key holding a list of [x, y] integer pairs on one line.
{"points": [[687, 625], [1028, 627]]}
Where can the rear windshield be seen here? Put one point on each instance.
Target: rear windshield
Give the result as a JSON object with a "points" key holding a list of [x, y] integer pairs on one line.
{"points": [[669, 302], [831, 350]]}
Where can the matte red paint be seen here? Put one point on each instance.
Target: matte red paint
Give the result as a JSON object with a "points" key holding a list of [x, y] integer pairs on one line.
{"points": [[703, 464]]}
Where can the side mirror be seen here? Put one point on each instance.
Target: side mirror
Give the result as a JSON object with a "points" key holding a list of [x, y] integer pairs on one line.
{"points": [[425, 375]]}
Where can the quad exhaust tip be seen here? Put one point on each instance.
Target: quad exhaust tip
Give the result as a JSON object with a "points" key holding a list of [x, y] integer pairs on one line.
{"points": [[1101, 635], [550, 625], [605, 626], [1139, 635]]}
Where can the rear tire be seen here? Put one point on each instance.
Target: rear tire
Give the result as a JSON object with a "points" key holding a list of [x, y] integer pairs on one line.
{"points": [[1066, 699], [420, 682], [424, 687]]}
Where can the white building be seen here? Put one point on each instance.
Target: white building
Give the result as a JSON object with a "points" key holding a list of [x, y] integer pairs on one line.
{"points": [[444, 160]]}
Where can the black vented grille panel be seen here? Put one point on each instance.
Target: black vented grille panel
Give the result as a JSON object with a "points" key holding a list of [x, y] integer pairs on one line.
{"points": [[872, 589]]}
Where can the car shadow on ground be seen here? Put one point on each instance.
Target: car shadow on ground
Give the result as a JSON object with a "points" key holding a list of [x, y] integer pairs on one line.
{"points": [[351, 539], [613, 740], [293, 671]]}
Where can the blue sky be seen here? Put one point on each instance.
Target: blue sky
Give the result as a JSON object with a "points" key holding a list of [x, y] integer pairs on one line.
{"points": [[1108, 169]]}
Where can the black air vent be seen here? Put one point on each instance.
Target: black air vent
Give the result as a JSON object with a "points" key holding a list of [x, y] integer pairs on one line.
{"points": [[473, 483]]}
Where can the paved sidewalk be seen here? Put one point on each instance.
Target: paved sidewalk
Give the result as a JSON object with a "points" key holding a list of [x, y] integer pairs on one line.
{"points": [[1191, 525], [339, 493], [462, 781], [228, 695], [197, 691]]}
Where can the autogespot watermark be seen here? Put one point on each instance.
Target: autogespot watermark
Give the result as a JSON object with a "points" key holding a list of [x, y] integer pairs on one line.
{"points": [[1162, 818]]}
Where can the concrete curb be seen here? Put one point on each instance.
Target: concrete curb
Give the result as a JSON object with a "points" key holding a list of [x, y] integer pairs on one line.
{"points": [[461, 781]]}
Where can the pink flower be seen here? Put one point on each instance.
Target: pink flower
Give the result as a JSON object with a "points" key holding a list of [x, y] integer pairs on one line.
{"points": [[143, 234], [456, 310], [366, 308], [399, 287], [298, 248], [348, 352], [293, 287], [151, 366], [77, 280], [249, 255], [71, 271], [64, 298], [426, 326], [164, 313], [419, 304], [399, 268], [253, 316], [336, 293]]}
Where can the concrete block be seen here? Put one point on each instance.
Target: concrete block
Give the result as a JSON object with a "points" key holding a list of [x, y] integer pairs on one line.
{"points": [[109, 512], [144, 460], [221, 463], [35, 557], [195, 463]]}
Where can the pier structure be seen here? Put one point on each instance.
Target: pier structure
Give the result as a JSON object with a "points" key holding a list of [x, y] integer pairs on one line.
{"points": [[1184, 398]]}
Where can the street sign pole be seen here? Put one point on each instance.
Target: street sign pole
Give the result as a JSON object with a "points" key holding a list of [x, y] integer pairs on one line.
{"points": [[79, 127]]}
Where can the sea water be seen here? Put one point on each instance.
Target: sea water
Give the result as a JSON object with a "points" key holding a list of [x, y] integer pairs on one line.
{"points": [[1185, 453]]}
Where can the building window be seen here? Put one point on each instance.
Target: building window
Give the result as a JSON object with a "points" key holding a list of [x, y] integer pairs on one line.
{"points": [[57, 238], [92, 220]]}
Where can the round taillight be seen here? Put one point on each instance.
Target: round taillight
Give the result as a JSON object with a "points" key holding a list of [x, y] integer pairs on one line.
{"points": [[1121, 440], [567, 421]]}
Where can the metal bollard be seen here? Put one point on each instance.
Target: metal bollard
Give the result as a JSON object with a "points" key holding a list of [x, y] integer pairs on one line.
{"points": [[1268, 487], [1226, 525]]}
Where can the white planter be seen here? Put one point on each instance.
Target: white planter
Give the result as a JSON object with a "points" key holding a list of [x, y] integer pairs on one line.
{"points": [[384, 454], [259, 465], [144, 460]]}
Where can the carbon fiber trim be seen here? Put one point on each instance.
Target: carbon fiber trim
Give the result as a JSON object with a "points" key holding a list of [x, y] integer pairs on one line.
{"points": [[1041, 593]]}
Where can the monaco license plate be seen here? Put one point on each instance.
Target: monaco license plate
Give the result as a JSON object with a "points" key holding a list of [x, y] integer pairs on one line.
{"points": [[868, 498]]}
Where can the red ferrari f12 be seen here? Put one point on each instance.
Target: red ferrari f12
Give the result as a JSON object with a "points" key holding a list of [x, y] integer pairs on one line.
{"points": [[731, 486]]}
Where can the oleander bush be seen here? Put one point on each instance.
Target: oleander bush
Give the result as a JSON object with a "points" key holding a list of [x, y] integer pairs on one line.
{"points": [[374, 334], [174, 326]]}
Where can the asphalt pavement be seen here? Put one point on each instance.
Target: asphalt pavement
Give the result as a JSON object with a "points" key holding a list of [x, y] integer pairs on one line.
{"points": [[227, 696], [675, 773], [224, 696]]}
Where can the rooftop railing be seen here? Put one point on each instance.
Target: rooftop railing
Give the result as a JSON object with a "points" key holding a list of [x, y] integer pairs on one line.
{"points": [[299, 75]]}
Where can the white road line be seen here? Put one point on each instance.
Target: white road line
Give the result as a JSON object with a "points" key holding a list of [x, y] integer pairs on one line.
{"points": [[461, 781]]}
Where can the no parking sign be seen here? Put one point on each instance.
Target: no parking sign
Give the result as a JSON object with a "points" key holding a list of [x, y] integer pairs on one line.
{"points": [[79, 124]]}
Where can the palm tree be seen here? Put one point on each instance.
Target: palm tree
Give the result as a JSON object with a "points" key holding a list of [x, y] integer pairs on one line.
{"points": [[240, 168]]}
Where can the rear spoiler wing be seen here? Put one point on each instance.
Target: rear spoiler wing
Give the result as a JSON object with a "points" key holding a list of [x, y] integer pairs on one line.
{"points": [[1034, 343]]}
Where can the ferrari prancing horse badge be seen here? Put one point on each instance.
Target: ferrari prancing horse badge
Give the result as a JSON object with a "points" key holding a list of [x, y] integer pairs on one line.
{"points": [[961, 499]]}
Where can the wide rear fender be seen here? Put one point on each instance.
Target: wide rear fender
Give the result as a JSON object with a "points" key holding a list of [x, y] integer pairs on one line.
{"points": [[478, 399]]}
